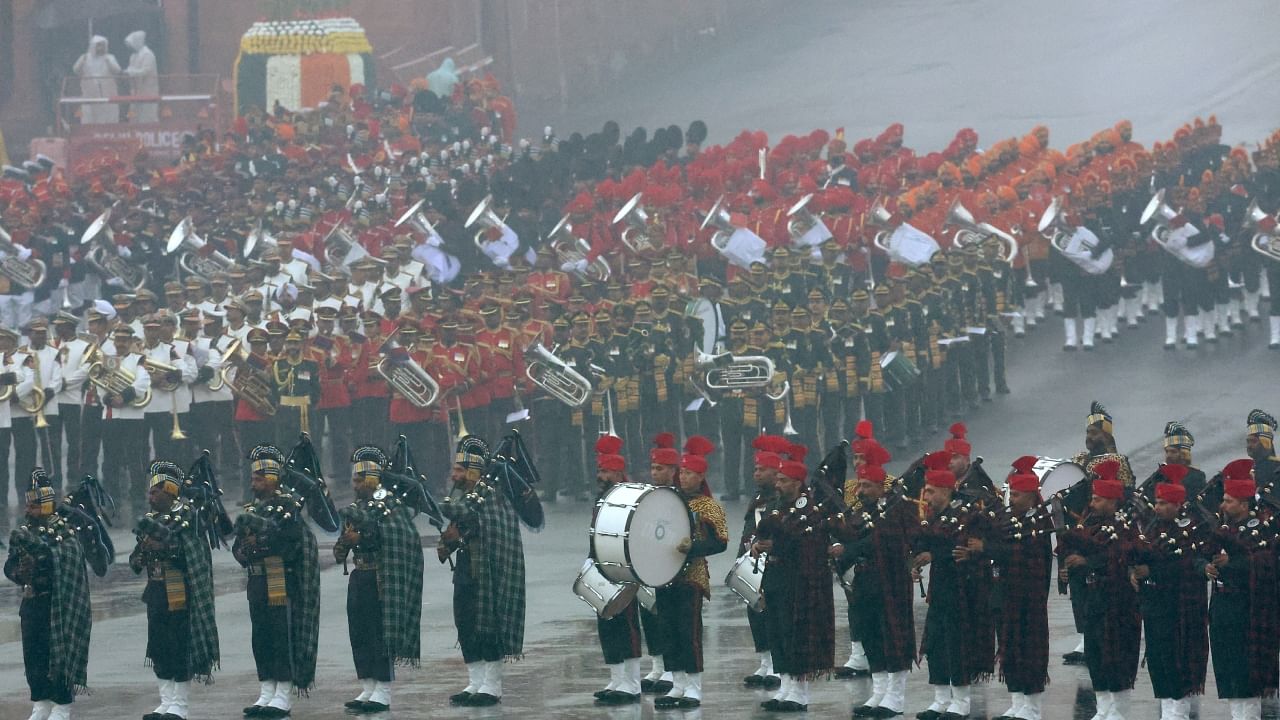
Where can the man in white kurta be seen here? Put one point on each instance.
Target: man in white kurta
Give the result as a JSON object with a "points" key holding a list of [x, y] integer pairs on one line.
{"points": [[98, 71], [144, 78]]}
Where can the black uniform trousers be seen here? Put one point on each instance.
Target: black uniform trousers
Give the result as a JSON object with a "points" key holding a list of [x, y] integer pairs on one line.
{"points": [[159, 432], [168, 635], [680, 607], [270, 634], [1229, 638], [124, 461], [370, 417], [733, 435], [34, 614], [210, 429], [474, 649], [655, 635], [89, 453], [364, 627], [69, 420], [25, 448], [620, 635], [6, 436]]}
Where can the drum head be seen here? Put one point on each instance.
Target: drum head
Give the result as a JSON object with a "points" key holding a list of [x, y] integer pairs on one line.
{"points": [[1056, 475], [658, 524]]}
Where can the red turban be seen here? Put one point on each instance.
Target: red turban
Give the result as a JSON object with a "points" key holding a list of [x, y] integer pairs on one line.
{"points": [[1106, 485], [611, 462], [957, 444], [937, 474], [1237, 479], [694, 463], [1171, 492], [769, 460], [794, 470], [1023, 479]]}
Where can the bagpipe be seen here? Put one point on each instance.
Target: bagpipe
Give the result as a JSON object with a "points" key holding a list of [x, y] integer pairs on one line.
{"points": [[303, 476], [205, 495], [510, 469], [88, 509], [402, 478]]}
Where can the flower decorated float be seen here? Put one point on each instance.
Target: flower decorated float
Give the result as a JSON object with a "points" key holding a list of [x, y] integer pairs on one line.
{"points": [[296, 62]]}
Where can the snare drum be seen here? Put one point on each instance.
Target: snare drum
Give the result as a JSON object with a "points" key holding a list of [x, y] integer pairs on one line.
{"points": [[605, 597], [897, 370], [745, 578], [636, 531]]}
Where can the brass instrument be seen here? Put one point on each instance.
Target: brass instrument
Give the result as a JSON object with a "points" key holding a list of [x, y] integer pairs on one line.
{"points": [[880, 216], [251, 384], [157, 367], [801, 220], [556, 377], [108, 375], [219, 380], [105, 259], [28, 273], [462, 423], [485, 219], [417, 219], [640, 236], [258, 237], [606, 421], [972, 233], [573, 250], [35, 405], [1054, 228], [196, 258], [736, 372], [739, 246], [406, 376], [1264, 243], [1159, 212], [341, 248]]}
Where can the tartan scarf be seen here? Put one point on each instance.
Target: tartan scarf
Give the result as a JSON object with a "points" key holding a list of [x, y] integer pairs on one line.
{"points": [[400, 566], [958, 591], [1190, 595], [53, 543], [203, 652], [1264, 607], [1026, 567], [491, 533]]}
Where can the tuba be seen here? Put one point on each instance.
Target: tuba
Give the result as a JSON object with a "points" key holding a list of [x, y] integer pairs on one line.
{"points": [[903, 243], [801, 222], [556, 377], [640, 236], [485, 219], [1263, 241], [975, 233], [109, 375], [739, 246], [1163, 215], [197, 257], [406, 376], [104, 259], [341, 248], [417, 219], [573, 251], [251, 382], [28, 273]]}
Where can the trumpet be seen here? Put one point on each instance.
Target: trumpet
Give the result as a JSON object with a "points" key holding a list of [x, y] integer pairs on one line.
{"points": [[556, 377], [105, 260], [197, 258], [972, 233], [572, 250], [640, 236], [406, 376], [109, 376], [28, 273]]}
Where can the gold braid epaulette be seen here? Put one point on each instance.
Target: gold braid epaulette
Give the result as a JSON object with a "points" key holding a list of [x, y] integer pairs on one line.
{"points": [[711, 511], [851, 492]]}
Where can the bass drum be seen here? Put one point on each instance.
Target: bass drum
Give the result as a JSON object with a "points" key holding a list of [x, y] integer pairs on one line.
{"points": [[636, 531], [1055, 476], [605, 597]]}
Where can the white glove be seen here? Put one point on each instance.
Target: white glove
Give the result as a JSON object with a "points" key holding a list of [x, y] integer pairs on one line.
{"points": [[24, 252], [124, 252]]}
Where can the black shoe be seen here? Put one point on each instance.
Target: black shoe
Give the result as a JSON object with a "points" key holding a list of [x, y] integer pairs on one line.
{"points": [[884, 712], [254, 710], [1003, 389], [375, 707], [772, 704], [646, 685], [171, 716], [662, 686], [844, 672], [482, 700], [666, 702], [687, 703], [928, 715], [152, 716], [272, 712], [772, 682], [952, 716], [792, 706], [459, 698], [617, 697], [1073, 658], [600, 693], [753, 681], [866, 711]]}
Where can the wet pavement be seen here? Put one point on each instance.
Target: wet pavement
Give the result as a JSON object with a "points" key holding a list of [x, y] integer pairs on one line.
{"points": [[1141, 384], [936, 66]]}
